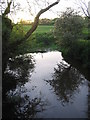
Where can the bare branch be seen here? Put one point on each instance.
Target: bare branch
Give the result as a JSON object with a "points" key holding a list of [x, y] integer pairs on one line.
{"points": [[83, 6], [35, 24], [29, 8], [7, 10]]}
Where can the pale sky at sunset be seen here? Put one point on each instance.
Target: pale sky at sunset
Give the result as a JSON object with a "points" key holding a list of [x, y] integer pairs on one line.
{"points": [[54, 12]]}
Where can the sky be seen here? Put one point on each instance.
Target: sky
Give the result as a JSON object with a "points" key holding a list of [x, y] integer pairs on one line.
{"points": [[30, 10]]}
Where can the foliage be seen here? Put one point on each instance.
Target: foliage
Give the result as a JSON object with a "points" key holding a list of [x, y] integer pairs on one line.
{"points": [[38, 42], [13, 47], [68, 28], [79, 52], [41, 39], [82, 53], [86, 29], [72, 33], [25, 22], [17, 33], [46, 21], [45, 38], [6, 31]]}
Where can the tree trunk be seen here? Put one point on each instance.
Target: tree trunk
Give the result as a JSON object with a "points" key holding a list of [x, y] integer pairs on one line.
{"points": [[34, 26], [13, 46]]}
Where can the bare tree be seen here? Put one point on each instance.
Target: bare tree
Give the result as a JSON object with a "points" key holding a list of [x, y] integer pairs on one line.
{"points": [[84, 7]]}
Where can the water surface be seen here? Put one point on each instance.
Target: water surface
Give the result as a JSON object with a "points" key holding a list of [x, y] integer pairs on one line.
{"points": [[46, 87]]}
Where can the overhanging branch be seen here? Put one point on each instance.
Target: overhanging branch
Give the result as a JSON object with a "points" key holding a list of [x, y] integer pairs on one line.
{"points": [[7, 10], [35, 24], [36, 21]]}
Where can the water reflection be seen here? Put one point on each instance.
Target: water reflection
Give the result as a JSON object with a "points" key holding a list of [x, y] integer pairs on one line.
{"points": [[18, 70], [66, 82], [21, 105], [27, 95], [88, 100], [16, 98], [20, 67]]}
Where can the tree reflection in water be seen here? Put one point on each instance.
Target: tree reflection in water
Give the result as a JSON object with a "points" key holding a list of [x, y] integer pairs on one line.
{"points": [[21, 67], [66, 81], [17, 102], [18, 70], [88, 100], [21, 106]]}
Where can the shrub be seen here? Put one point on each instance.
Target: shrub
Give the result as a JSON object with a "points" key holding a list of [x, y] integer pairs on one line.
{"points": [[17, 33], [45, 38], [68, 28]]}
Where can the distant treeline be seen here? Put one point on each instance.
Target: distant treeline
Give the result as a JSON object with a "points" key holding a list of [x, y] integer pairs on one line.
{"points": [[44, 21]]}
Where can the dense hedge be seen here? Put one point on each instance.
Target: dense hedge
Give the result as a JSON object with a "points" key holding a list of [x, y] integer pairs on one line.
{"points": [[80, 51], [6, 31], [38, 42]]}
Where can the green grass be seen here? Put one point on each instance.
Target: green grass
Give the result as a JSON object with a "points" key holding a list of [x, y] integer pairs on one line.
{"points": [[40, 28], [85, 31], [44, 28]]}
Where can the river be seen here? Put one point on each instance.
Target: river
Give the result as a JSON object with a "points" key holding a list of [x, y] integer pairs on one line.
{"points": [[43, 85]]}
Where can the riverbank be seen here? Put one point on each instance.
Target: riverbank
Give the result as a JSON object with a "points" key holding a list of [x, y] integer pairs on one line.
{"points": [[79, 52], [78, 56], [43, 39], [43, 84], [79, 66]]}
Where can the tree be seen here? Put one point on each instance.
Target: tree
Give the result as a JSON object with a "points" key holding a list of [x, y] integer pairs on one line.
{"points": [[45, 21], [65, 82], [10, 48], [68, 28], [84, 7], [25, 22], [36, 20]]}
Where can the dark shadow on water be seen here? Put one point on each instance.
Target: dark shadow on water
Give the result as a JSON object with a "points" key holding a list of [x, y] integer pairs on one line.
{"points": [[77, 64], [17, 104], [66, 81], [17, 71], [17, 100]]}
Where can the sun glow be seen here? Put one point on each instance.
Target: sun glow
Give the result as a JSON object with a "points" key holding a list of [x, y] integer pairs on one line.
{"points": [[22, 16], [25, 13]]}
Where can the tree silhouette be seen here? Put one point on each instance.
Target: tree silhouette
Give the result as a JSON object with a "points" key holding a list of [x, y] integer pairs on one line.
{"points": [[65, 82]]}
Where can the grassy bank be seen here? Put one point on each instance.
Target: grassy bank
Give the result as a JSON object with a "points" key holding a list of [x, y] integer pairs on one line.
{"points": [[42, 39], [40, 28], [73, 37], [38, 42]]}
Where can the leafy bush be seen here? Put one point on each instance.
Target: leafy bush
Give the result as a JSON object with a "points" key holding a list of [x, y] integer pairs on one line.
{"points": [[80, 51], [45, 38], [6, 31], [68, 28], [38, 41], [17, 33]]}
